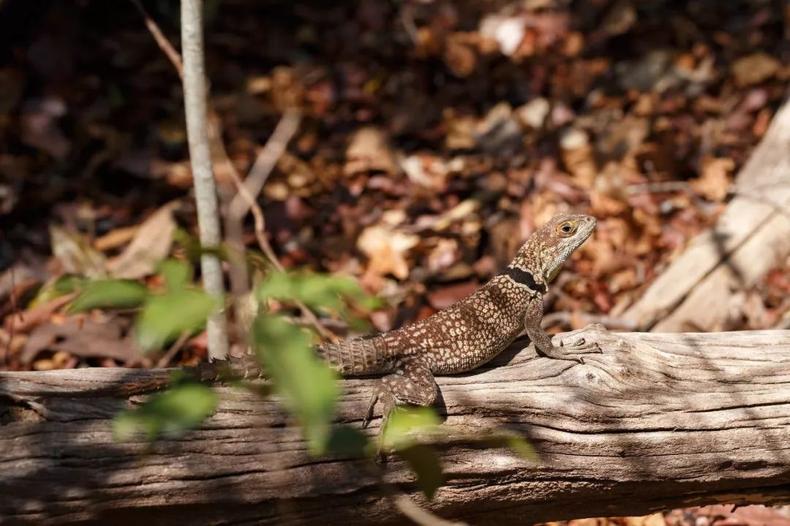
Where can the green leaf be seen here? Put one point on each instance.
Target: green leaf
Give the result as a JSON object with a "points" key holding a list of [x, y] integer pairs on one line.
{"points": [[514, 441], [345, 441], [425, 463], [177, 274], [109, 293], [192, 247], [57, 288], [169, 413], [164, 317], [308, 386], [316, 290], [68, 284], [521, 447], [403, 422]]}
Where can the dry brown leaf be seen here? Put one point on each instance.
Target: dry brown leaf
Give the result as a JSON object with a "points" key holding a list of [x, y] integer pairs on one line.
{"points": [[150, 245], [460, 131], [369, 151], [75, 253], [86, 338], [115, 238], [577, 155], [443, 255], [25, 320], [714, 182], [533, 114], [460, 211], [426, 171], [386, 249], [460, 56], [755, 68]]}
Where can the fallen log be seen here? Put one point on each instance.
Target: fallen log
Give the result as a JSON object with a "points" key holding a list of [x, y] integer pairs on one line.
{"points": [[657, 421]]}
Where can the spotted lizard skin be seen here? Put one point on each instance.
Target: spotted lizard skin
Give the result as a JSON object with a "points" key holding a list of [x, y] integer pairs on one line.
{"points": [[472, 331]]}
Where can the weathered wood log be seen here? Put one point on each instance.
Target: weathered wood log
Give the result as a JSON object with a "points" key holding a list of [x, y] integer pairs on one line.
{"points": [[656, 421], [751, 237]]}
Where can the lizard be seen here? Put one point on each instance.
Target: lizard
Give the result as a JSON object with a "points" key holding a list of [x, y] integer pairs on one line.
{"points": [[470, 332]]}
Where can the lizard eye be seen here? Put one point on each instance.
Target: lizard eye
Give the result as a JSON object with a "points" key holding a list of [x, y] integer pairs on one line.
{"points": [[566, 229]]}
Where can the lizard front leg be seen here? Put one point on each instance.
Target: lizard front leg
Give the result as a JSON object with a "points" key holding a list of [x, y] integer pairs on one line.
{"points": [[542, 340], [412, 384]]}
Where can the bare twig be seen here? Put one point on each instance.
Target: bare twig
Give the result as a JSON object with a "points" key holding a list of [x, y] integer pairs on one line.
{"points": [[161, 39], [200, 155], [265, 163], [165, 360]]}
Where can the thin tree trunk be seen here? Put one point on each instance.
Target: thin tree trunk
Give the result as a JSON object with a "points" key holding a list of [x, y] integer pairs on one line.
{"points": [[657, 421], [200, 156]]}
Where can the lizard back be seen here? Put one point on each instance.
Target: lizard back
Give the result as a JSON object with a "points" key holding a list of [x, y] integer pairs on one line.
{"points": [[457, 339]]}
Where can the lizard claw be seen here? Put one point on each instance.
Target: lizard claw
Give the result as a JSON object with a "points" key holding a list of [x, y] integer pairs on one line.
{"points": [[371, 406]]}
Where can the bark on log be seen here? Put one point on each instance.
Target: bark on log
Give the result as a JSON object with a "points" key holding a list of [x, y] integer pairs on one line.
{"points": [[751, 237], [656, 421]]}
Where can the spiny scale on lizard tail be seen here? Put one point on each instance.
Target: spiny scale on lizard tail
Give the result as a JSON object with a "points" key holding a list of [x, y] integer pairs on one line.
{"points": [[472, 331]]}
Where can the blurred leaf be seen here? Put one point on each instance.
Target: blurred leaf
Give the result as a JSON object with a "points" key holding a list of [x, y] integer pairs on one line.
{"points": [[164, 317], [170, 413], [306, 383], [57, 288], [76, 254], [192, 246], [517, 443], [425, 463], [258, 389], [316, 290], [110, 293], [150, 245], [403, 422], [177, 274], [346, 441]]}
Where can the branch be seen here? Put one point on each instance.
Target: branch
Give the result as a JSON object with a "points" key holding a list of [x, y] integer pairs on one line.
{"points": [[205, 186], [657, 421], [161, 40]]}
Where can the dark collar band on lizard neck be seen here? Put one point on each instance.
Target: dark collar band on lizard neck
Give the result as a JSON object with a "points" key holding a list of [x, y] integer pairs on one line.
{"points": [[525, 278]]}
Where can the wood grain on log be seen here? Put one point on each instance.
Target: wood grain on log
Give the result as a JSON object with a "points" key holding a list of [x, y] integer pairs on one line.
{"points": [[656, 421]]}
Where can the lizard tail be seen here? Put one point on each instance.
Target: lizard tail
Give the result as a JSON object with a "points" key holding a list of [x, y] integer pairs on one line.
{"points": [[360, 356]]}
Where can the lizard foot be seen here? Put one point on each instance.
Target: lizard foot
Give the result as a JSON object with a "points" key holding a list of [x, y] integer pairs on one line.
{"points": [[571, 351], [388, 401], [581, 346], [559, 353]]}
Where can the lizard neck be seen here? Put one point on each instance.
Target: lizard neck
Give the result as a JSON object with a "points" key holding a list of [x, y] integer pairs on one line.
{"points": [[526, 278]]}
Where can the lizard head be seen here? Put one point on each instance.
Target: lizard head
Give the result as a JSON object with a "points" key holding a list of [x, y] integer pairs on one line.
{"points": [[552, 244]]}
